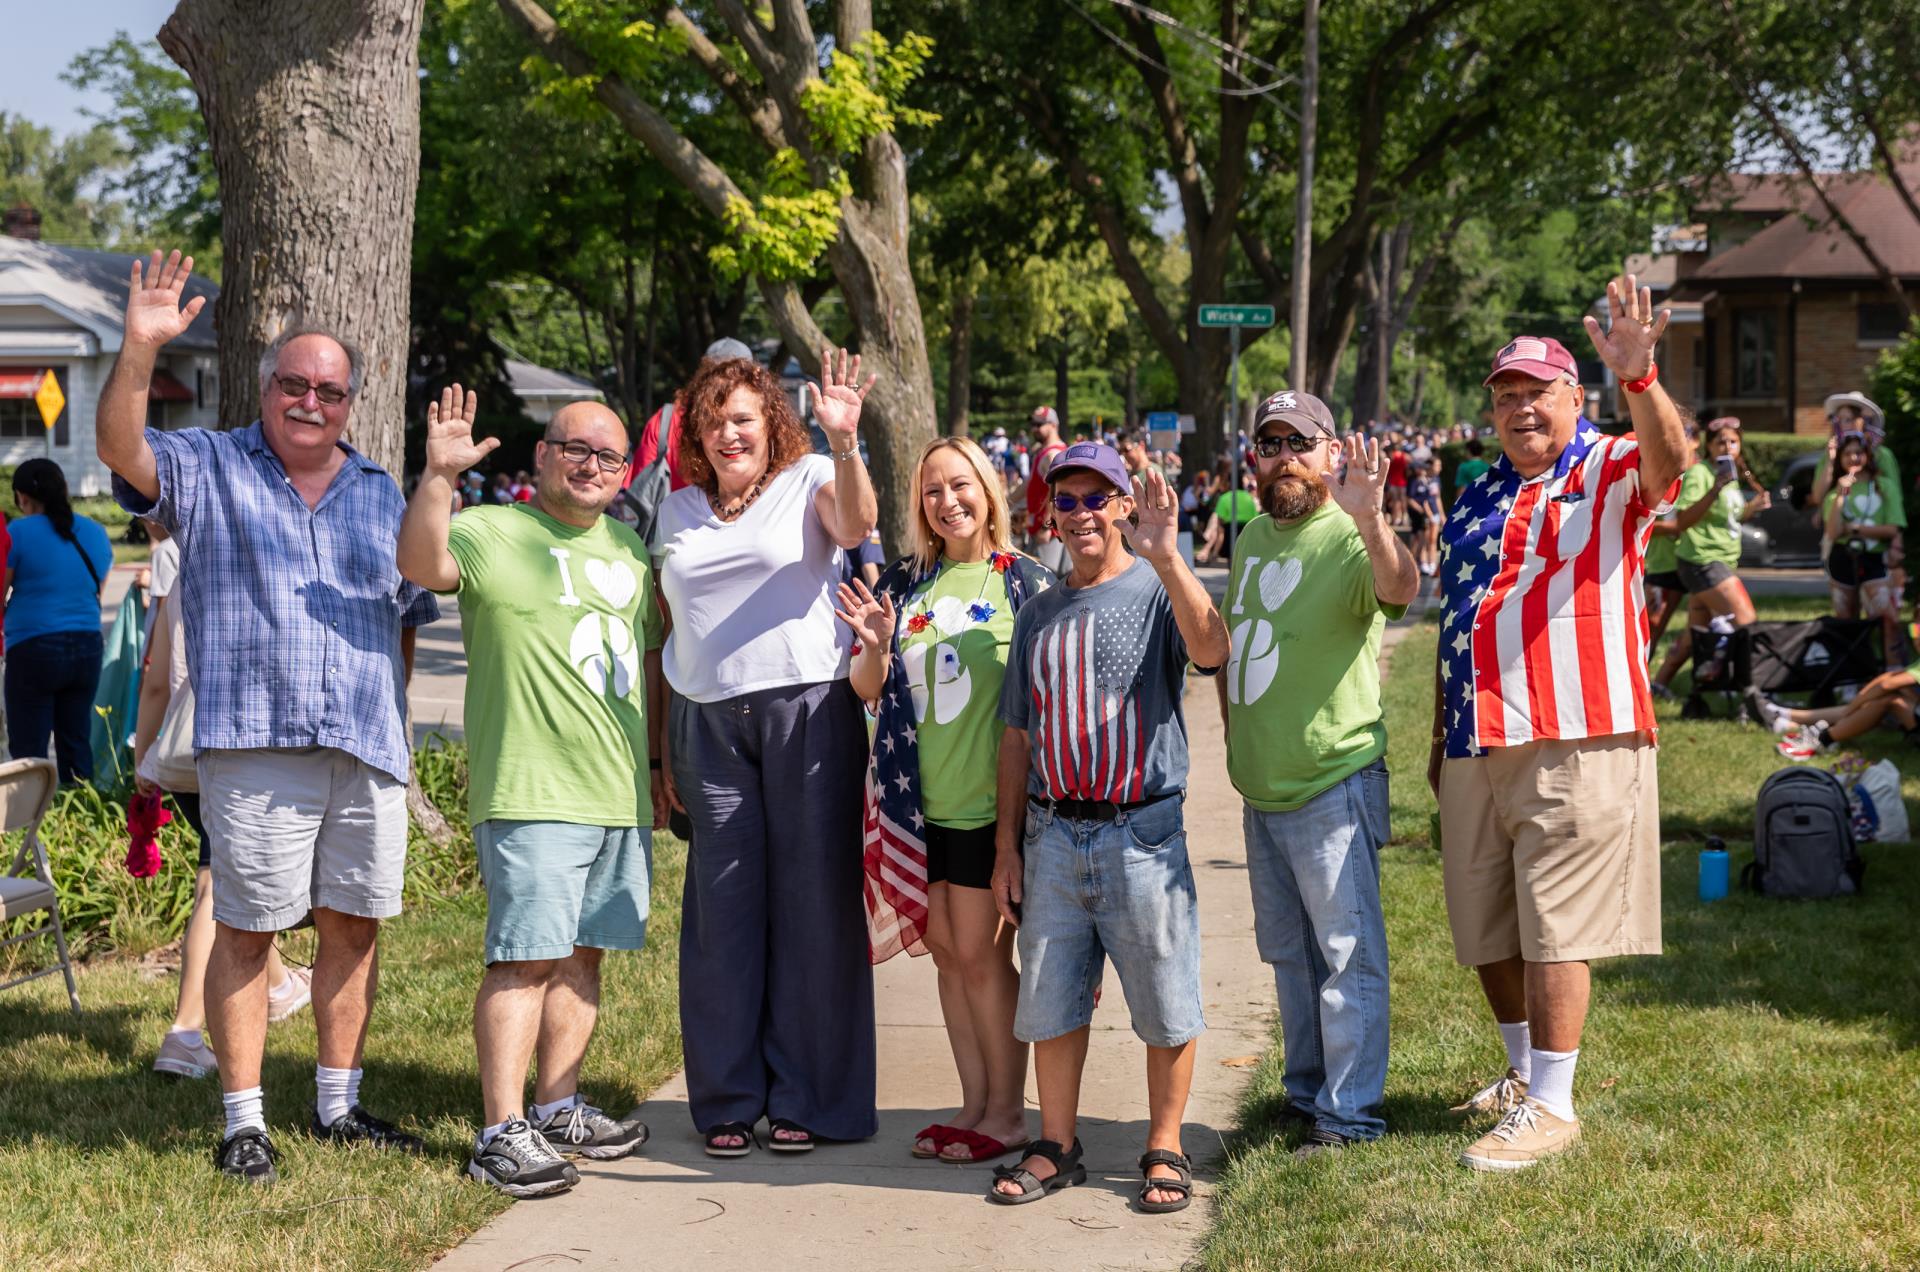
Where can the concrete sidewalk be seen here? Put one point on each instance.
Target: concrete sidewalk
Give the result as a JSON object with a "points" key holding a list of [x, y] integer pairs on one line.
{"points": [[872, 1203]]}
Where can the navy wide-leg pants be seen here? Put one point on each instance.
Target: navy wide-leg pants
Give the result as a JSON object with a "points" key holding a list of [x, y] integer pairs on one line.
{"points": [[776, 991]]}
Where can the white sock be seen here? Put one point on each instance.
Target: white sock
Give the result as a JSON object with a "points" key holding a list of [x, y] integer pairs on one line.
{"points": [[337, 1091], [542, 1112], [1519, 1039], [244, 1110], [488, 1132], [1552, 1084]]}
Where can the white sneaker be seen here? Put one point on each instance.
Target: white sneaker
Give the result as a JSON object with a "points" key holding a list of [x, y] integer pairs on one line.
{"points": [[185, 1055], [291, 994]]}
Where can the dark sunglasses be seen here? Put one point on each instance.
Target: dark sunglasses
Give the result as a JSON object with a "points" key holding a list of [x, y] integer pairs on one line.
{"points": [[1092, 503], [1267, 447], [295, 387]]}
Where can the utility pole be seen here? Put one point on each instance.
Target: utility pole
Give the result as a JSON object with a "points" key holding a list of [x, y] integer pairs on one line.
{"points": [[1303, 199]]}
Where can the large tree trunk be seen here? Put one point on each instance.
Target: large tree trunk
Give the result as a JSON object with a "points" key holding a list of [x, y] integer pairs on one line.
{"points": [[960, 362], [313, 112]]}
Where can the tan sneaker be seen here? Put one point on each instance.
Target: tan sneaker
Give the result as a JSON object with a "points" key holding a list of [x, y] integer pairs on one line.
{"points": [[1526, 1135], [1500, 1097]]}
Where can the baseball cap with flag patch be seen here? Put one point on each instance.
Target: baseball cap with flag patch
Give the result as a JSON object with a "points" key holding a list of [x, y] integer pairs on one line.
{"points": [[1541, 357], [1307, 414]]}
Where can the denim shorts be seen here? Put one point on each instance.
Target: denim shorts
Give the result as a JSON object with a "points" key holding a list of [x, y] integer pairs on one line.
{"points": [[554, 885], [1119, 890]]}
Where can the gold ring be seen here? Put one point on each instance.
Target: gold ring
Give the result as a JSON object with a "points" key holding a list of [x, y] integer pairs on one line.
{"points": [[1647, 323]]}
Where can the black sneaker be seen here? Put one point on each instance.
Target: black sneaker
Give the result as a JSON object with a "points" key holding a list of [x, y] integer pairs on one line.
{"points": [[357, 1126], [585, 1131], [248, 1154], [520, 1163], [1321, 1141]]}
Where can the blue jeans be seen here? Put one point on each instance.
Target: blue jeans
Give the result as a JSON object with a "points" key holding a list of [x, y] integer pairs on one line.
{"points": [[1315, 874], [1119, 890], [50, 684]]}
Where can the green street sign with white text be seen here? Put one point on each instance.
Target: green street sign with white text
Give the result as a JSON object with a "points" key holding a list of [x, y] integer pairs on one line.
{"points": [[1236, 315]]}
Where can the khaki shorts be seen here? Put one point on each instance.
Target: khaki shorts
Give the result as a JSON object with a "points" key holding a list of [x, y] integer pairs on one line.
{"points": [[1551, 850], [299, 830]]}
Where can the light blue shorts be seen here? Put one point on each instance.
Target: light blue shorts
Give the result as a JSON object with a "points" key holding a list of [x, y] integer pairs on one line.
{"points": [[1119, 890], [554, 885]]}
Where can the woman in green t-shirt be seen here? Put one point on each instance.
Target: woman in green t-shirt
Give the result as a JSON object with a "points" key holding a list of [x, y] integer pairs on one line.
{"points": [[1863, 519], [932, 653], [1711, 512]]}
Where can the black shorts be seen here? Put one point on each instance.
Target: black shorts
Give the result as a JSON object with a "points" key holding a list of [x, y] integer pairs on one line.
{"points": [[1666, 581], [1850, 569], [189, 805], [1416, 520], [1702, 576], [963, 858]]}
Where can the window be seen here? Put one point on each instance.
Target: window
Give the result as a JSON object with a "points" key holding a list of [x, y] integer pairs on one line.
{"points": [[1756, 361], [20, 417], [1880, 322]]}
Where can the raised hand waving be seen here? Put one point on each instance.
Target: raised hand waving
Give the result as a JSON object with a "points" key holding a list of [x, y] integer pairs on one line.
{"points": [[451, 448], [1633, 330], [154, 312]]}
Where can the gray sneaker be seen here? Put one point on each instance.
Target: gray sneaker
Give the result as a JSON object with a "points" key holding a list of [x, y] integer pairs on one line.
{"points": [[520, 1163], [185, 1058], [585, 1131]]}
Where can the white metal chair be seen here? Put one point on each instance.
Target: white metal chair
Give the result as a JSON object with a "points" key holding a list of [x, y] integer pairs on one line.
{"points": [[26, 792]]}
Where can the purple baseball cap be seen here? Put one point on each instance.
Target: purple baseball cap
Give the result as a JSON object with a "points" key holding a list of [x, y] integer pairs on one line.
{"points": [[1541, 357], [1093, 457]]}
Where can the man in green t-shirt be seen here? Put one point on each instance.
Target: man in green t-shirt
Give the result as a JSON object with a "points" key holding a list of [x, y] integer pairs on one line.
{"points": [[563, 637], [1315, 578]]}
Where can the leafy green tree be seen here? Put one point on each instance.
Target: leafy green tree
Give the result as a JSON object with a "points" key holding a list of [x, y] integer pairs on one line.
{"points": [[168, 182], [60, 178]]}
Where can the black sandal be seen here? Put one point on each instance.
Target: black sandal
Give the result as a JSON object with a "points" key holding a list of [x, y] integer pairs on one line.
{"points": [[728, 1130], [1067, 1171], [1182, 1164], [779, 1145]]}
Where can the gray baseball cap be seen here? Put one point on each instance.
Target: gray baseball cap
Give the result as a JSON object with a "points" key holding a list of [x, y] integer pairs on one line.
{"points": [[1307, 414], [726, 348]]}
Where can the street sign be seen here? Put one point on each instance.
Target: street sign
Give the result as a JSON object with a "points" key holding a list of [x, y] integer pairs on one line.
{"points": [[1163, 421], [1236, 315], [50, 400]]}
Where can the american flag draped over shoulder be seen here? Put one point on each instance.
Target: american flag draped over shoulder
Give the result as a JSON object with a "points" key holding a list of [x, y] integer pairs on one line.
{"points": [[894, 843], [1544, 630]]}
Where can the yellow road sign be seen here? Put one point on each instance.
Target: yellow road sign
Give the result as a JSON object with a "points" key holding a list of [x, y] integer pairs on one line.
{"points": [[50, 400]]}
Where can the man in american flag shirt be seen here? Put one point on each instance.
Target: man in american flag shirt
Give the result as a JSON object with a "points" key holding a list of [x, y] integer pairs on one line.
{"points": [[1543, 738], [1090, 856]]}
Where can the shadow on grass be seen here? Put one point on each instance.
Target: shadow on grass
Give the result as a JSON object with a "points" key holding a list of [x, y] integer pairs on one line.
{"points": [[107, 1029], [1846, 960]]}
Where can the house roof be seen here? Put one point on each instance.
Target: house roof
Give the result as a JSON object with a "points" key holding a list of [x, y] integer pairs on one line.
{"points": [[89, 290], [529, 380], [1794, 247]]}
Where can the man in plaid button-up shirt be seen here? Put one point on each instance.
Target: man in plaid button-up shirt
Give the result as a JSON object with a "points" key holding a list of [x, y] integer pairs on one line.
{"points": [[299, 637]]}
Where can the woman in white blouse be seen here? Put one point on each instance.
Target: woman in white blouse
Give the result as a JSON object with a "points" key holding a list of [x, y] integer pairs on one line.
{"points": [[766, 750]]}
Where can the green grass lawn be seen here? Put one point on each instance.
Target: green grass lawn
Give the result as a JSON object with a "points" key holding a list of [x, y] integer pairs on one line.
{"points": [[108, 1165], [1749, 1099]]}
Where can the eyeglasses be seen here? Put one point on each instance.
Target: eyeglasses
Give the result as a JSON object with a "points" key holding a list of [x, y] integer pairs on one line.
{"points": [[1267, 447], [610, 461], [294, 387], [1092, 503]]}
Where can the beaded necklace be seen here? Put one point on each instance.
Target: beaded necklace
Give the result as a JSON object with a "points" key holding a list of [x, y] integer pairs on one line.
{"points": [[980, 611]]}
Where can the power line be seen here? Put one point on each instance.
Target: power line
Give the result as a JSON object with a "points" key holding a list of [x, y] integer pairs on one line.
{"points": [[1154, 15]]}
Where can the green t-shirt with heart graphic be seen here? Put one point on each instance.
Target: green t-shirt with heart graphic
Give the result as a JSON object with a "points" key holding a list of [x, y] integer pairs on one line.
{"points": [[954, 633], [556, 621], [1303, 677]]}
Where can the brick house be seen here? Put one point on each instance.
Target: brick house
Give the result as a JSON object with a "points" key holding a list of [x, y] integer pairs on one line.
{"points": [[1775, 308]]}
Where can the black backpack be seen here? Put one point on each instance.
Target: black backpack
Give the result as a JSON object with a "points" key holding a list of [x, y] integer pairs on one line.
{"points": [[1803, 837]]}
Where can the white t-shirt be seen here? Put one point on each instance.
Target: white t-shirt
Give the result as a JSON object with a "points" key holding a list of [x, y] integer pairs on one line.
{"points": [[752, 600]]}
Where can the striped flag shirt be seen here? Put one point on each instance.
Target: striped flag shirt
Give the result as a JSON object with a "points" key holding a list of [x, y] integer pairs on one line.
{"points": [[1544, 628]]}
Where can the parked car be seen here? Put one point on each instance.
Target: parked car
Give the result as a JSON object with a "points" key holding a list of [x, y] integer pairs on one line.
{"points": [[1788, 533]]}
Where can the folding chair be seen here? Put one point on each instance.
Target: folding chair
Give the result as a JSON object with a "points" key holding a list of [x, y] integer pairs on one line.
{"points": [[26, 792]]}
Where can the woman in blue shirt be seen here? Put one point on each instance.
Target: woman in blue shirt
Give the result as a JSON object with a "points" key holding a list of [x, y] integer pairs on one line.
{"points": [[54, 575]]}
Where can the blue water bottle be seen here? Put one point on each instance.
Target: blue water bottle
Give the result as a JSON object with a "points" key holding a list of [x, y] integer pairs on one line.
{"points": [[1713, 870]]}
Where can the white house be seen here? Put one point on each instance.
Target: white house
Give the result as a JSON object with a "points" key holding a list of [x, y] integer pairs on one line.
{"points": [[542, 392], [61, 310]]}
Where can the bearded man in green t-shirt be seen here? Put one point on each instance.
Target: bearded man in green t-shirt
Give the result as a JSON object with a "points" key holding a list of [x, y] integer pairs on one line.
{"points": [[1315, 577], [563, 635]]}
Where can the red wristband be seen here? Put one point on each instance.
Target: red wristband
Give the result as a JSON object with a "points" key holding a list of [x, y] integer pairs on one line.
{"points": [[1641, 385]]}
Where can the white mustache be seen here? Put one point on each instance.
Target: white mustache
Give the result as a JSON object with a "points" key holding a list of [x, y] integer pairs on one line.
{"points": [[305, 416]]}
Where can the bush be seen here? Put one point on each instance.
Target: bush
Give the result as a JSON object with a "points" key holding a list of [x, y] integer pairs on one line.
{"points": [[1896, 387], [107, 911]]}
